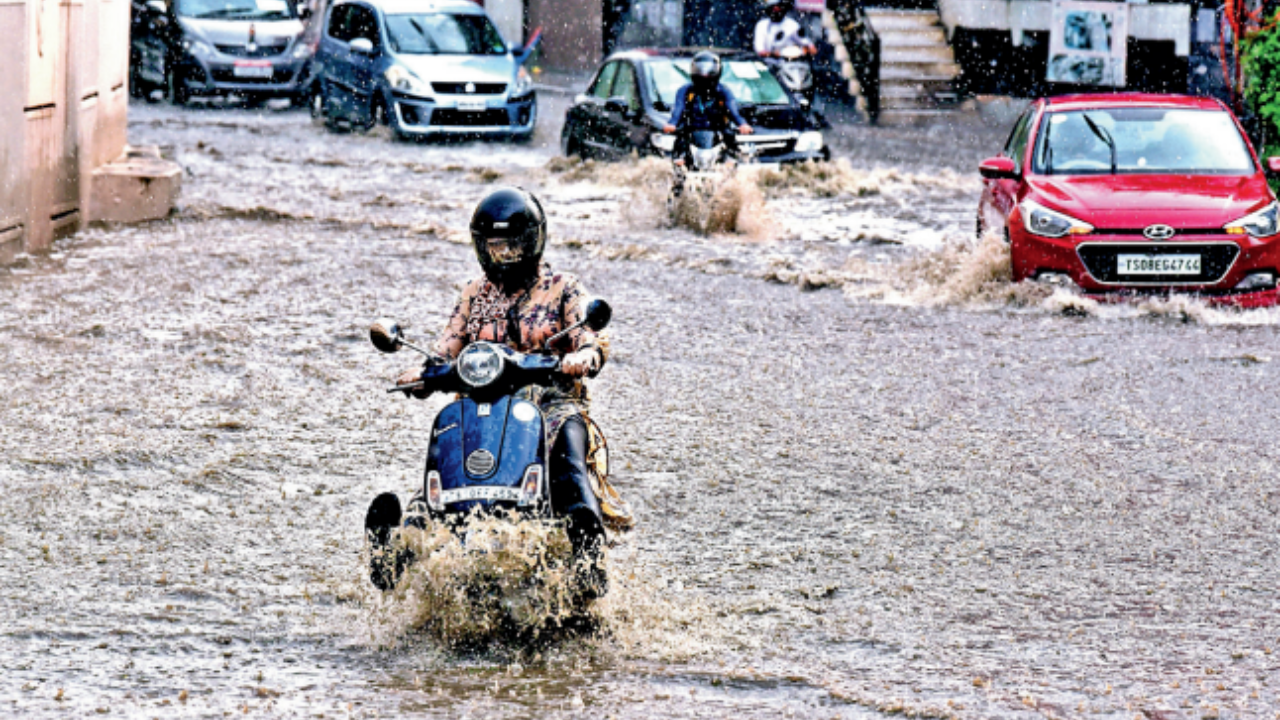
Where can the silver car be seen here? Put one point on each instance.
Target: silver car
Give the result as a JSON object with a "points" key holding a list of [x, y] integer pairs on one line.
{"points": [[207, 47], [424, 67]]}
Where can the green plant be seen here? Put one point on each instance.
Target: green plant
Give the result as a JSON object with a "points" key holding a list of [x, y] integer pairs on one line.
{"points": [[1262, 89]]}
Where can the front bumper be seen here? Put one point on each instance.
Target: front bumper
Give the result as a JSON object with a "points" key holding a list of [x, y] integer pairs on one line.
{"points": [[1090, 261], [217, 76], [501, 117]]}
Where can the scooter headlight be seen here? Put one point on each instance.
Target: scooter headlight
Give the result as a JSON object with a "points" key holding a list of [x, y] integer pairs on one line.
{"points": [[704, 159], [435, 492], [479, 365], [531, 487]]}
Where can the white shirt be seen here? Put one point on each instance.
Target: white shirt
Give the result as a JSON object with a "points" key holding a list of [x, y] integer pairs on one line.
{"points": [[772, 37]]}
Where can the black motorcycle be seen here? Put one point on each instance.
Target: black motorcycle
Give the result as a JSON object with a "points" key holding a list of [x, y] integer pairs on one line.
{"points": [[488, 452]]}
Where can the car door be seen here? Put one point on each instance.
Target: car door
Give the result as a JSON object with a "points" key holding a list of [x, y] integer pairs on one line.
{"points": [[332, 57], [622, 115], [1000, 196], [588, 114], [363, 66]]}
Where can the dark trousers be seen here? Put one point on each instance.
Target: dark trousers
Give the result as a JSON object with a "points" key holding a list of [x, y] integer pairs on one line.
{"points": [[571, 495]]}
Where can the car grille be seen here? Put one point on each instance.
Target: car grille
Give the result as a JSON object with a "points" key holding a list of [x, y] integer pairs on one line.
{"points": [[457, 118], [260, 51], [772, 148], [1215, 260], [449, 88]]}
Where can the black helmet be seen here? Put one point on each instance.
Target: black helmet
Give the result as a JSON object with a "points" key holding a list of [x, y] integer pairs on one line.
{"points": [[509, 231], [777, 9], [704, 71]]}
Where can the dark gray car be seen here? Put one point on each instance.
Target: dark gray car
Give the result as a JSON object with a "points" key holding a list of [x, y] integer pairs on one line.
{"points": [[217, 47]]}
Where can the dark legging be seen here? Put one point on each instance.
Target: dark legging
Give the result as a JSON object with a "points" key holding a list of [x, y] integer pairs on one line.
{"points": [[571, 494]]}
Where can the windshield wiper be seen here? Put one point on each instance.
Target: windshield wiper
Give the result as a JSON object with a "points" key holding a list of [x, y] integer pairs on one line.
{"points": [[228, 12], [1104, 136]]}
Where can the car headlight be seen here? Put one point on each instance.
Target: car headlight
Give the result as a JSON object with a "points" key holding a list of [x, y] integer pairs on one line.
{"points": [[1263, 223], [303, 50], [524, 82], [402, 80], [809, 142], [479, 365], [198, 49], [1040, 220], [663, 142]]}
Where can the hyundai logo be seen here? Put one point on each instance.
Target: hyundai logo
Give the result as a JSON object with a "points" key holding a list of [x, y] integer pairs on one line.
{"points": [[470, 88], [1158, 232]]}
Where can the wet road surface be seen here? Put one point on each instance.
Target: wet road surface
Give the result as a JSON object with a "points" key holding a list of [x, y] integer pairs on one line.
{"points": [[871, 476]]}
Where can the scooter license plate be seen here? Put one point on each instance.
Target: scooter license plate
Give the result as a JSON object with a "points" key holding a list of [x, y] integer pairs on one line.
{"points": [[252, 70], [480, 492]]}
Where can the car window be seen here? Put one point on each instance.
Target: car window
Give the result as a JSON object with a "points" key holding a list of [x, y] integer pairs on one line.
{"points": [[624, 86], [1018, 149], [363, 24], [236, 9], [1015, 146], [1144, 140], [340, 23], [444, 34], [750, 82], [604, 81]]}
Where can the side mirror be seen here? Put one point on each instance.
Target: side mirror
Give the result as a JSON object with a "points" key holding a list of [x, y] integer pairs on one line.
{"points": [[304, 14], [1273, 165], [363, 46], [618, 104], [598, 315], [157, 6], [516, 49], [385, 335], [998, 168]]}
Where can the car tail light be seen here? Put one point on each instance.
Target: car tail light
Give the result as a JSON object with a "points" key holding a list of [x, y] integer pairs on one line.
{"points": [[531, 487], [435, 494]]}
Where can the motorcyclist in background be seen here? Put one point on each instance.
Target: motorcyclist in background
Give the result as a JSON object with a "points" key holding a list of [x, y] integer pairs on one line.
{"points": [[778, 31], [520, 302], [704, 104]]}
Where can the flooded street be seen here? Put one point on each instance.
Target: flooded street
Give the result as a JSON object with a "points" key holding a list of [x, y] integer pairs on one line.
{"points": [[871, 475]]}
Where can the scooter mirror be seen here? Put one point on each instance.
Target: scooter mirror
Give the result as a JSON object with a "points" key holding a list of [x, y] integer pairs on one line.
{"points": [[598, 315], [385, 335]]}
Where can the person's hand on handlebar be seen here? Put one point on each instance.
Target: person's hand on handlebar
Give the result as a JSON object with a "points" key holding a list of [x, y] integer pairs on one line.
{"points": [[577, 364], [669, 129], [409, 377]]}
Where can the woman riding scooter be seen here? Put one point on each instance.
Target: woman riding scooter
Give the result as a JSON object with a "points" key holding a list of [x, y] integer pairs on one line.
{"points": [[518, 301]]}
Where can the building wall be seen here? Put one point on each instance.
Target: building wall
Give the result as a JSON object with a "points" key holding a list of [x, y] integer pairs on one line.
{"points": [[62, 112], [573, 37]]}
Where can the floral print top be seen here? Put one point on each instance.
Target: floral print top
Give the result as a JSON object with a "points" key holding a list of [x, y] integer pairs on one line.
{"points": [[523, 320]]}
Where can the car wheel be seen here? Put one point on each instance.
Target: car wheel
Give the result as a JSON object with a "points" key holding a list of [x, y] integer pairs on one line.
{"points": [[315, 102], [377, 113], [179, 95], [570, 144], [325, 110]]}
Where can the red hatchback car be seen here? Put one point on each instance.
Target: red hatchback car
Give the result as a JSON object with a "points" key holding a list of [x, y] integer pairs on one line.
{"points": [[1124, 194]]}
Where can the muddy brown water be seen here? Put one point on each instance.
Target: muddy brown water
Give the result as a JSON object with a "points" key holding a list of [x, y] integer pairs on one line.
{"points": [[884, 494]]}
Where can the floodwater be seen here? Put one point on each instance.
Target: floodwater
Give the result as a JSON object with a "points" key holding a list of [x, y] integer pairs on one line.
{"points": [[871, 476]]}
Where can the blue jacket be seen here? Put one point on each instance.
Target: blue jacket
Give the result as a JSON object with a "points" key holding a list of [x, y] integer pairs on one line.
{"points": [[718, 112]]}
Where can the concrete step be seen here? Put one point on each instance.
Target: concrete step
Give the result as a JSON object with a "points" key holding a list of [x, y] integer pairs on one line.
{"points": [[917, 54], [915, 74], [933, 37], [884, 20]]}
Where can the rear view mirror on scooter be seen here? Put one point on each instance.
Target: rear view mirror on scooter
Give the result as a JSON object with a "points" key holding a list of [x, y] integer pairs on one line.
{"points": [[598, 315], [385, 335]]}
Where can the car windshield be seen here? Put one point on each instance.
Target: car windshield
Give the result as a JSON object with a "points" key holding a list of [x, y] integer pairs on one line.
{"points": [[1146, 140], [750, 82], [236, 9], [444, 34]]}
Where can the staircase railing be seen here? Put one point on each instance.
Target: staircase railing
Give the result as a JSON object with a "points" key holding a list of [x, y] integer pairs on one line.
{"points": [[857, 50]]}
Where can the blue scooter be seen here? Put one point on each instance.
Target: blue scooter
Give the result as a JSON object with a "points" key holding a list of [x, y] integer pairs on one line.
{"points": [[489, 449]]}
